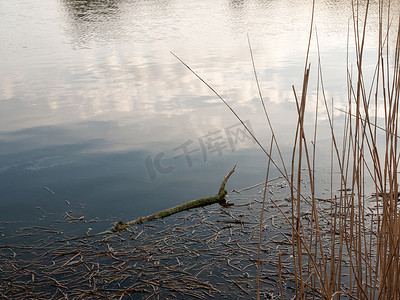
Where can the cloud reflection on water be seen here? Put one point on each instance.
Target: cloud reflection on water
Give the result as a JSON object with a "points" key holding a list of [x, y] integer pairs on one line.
{"points": [[84, 81], [110, 61]]}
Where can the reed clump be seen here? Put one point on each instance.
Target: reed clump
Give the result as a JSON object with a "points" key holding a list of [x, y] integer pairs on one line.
{"points": [[353, 252]]}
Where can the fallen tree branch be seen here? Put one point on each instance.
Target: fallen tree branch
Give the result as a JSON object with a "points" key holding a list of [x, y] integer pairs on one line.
{"points": [[121, 226], [220, 198]]}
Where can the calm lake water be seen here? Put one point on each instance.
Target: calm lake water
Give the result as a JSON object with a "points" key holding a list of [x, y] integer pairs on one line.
{"points": [[95, 110]]}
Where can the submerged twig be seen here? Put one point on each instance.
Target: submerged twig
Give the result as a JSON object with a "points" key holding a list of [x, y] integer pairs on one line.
{"points": [[220, 198]]}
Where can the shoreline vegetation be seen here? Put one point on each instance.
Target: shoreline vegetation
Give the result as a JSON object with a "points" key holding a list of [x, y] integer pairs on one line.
{"points": [[284, 238], [368, 244]]}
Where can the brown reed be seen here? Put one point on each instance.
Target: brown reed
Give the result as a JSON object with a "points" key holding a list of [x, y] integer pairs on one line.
{"points": [[352, 252]]}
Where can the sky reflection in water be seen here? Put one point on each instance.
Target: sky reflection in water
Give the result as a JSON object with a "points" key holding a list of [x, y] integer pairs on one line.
{"points": [[94, 106]]}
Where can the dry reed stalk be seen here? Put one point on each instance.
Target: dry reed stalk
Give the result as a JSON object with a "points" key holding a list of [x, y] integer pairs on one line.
{"points": [[261, 221], [280, 275]]}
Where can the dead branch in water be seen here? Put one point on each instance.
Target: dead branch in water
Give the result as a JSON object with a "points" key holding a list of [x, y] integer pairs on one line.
{"points": [[220, 198]]}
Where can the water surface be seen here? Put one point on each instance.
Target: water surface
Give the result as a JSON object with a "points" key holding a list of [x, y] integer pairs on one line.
{"points": [[96, 111]]}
